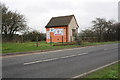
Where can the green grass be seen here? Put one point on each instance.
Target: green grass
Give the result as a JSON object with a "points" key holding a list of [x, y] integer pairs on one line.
{"points": [[31, 46], [98, 43], [107, 72]]}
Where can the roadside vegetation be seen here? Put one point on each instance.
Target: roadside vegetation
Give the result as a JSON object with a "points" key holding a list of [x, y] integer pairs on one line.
{"points": [[31, 46], [111, 72], [102, 31]]}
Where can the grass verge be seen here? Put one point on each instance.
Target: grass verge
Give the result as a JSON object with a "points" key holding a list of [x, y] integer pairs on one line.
{"points": [[110, 72], [31, 46]]}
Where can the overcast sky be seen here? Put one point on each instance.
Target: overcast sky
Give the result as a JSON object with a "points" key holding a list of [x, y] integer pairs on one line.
{"points": [[39, 12]]}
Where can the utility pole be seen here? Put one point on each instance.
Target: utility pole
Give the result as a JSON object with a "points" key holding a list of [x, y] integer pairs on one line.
{"points": [[37, 41], [62, 40], [50, 40], [36, 38]]}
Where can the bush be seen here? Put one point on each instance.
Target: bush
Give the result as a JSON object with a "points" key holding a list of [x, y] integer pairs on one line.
{"points": [[32, 36], [78, 40]]}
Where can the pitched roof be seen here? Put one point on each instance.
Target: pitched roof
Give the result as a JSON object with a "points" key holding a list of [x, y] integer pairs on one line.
{"points": [[59, 21]]}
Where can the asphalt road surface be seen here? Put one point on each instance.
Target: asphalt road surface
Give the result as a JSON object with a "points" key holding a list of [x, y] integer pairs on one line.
{"points": [[59, 64]]}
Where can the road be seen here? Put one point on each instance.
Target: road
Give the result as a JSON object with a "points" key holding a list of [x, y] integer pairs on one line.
{"points": [[60, 63]]}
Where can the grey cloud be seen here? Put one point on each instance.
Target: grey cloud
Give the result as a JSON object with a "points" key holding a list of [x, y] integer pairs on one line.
{"points": [[119, 11], [39, 12]]}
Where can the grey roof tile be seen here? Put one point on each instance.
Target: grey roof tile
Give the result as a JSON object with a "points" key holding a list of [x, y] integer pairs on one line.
{"points": [[59, 21]]}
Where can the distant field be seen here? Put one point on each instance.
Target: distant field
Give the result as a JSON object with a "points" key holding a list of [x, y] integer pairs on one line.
{"points": [[31, 46]]}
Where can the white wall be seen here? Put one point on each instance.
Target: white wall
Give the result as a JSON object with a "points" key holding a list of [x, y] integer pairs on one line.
{"points": [[72, 25]]}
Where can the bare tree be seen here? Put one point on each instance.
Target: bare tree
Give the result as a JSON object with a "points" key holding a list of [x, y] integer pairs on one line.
{"points": [[99, 27], [12, 22], [103, 30]]}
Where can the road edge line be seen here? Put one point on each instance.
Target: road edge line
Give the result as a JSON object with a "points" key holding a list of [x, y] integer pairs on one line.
{"points": [[83, 74], [18, 55]]}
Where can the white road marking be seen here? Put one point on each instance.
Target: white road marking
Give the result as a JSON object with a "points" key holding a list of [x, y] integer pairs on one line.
{"points": [[105, 49], [40, 61], [46, 60], [82, 54], [83, 74], [68, 56]]}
